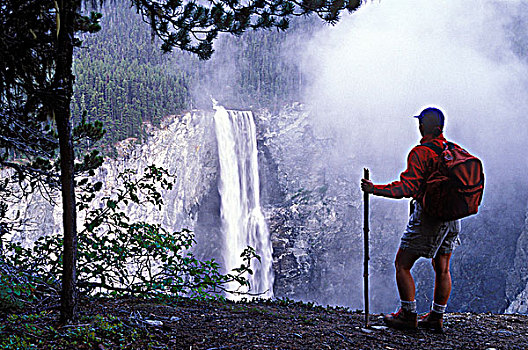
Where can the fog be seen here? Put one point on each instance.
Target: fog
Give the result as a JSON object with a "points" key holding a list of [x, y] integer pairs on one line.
{"points": [[384, 63], [362, 80]]}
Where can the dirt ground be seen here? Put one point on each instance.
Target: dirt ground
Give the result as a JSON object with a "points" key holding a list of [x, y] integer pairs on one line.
{"points": [[194, 325]]}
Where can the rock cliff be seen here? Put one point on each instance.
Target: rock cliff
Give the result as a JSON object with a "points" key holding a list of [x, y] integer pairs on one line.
{"points": [[315, 210], [517, 287], [311, 192], [184, 145]]}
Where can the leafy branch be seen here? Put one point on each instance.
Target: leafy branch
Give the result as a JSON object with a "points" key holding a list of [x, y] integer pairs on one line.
{"points": [[118, 256]]}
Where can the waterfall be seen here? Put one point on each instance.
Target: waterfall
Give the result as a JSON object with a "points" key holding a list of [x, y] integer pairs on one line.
{"points": [[243, 223]]}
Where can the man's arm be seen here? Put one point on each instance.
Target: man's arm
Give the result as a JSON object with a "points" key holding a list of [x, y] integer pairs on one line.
{"points": [[410, 180]]}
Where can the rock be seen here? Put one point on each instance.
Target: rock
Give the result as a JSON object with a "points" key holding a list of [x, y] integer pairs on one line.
{"points": [[153, 323], [517, 289], [380, 328], [184, 145]]}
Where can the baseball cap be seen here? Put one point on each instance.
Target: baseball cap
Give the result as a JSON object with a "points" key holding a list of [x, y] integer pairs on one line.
{"points": [[433, 113]]}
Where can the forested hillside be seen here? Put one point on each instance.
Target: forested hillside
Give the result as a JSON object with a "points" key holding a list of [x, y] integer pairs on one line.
{"points": [[123, 79]]}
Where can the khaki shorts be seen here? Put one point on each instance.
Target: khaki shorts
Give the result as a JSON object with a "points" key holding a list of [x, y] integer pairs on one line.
{"points": [[426, 236]]}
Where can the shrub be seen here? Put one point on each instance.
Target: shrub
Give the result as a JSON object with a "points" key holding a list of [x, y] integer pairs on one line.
{"points": [[117, 256]]}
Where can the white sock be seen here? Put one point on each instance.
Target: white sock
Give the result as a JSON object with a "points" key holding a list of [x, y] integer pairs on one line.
{"points": [[408, 305], [438, 308]]}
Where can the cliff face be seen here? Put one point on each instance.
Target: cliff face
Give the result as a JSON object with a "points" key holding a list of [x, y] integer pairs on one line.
{"points": [[517, 287], [311, 192], [315, 212], [184, 145], [313, 206]]}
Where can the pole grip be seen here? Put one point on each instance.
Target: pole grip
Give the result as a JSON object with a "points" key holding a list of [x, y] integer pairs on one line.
{"points": [[366, 257]]}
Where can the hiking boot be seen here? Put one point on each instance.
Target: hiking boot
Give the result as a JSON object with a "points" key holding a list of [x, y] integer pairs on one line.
{"points": [[432, 320], [401, 320]]}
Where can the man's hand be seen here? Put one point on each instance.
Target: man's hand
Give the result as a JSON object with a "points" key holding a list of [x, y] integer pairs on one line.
{"points": [[367, 186]]}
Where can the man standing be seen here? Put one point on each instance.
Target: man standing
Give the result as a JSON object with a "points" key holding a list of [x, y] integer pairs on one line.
{"points": [[424, 236]]}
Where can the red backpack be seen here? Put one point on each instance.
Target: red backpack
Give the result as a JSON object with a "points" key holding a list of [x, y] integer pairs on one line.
{"points": [[455, 186]]}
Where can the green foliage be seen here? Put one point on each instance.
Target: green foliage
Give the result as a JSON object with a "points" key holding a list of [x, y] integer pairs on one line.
{"points": [[85, 133], [121, 81], [85, 136], [259, 69], [118, 256], [193, 26], [21, 287], [17, 286], [34, 331], [13, 293], [89, 24], [105, 330], [29, 90]]}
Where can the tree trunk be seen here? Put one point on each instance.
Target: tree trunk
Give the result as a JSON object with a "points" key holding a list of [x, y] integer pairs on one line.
{"points": [[63, 81]]}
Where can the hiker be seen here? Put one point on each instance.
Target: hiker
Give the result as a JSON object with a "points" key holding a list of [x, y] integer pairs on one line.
{"points": [[424, 236]]}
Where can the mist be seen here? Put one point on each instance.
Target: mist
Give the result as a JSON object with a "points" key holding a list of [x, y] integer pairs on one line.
{"points": [[362, 80], [381, 65]]}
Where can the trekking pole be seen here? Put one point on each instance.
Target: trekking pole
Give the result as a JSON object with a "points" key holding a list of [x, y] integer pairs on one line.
{"points": [[366, 248]]}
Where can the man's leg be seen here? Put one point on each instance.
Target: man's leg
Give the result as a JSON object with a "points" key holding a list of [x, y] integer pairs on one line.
{"points": [[404, 279], [442, 290], [406, 317], [442, 278]]}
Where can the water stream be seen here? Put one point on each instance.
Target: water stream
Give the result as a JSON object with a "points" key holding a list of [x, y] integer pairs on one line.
{"points": [[243, 223]]}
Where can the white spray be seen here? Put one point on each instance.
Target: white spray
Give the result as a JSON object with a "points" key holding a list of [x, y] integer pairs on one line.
{"points": [[382, 64], [243, 223]]}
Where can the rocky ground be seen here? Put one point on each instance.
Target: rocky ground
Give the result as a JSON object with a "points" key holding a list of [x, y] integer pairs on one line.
{"points": [[193, 325]]}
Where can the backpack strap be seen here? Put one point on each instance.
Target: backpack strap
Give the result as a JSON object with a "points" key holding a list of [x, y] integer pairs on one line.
{"points": [[451, 145], [436, 149]]}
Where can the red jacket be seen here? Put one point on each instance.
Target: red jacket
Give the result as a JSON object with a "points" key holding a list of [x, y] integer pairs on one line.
{"points": [[412, 179]]}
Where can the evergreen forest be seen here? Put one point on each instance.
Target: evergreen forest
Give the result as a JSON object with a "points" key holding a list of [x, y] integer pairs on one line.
{"points": [[123, 79]]}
